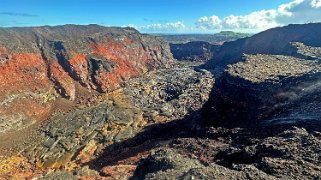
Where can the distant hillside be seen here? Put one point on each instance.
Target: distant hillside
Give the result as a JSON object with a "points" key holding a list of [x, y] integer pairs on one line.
{"points": [[232, 34], [273, 41], [216, 39]]}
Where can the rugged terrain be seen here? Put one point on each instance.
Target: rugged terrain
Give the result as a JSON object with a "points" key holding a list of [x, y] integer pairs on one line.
{"points": [[262, 120], [137, 113], [99, 87]]}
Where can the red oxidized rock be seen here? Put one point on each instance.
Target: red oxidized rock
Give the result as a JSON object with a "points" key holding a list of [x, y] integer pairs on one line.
{"points": [[37, 64]]}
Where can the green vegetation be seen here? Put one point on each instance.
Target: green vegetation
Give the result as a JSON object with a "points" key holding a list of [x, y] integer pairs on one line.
{"points": [[234, 34]]}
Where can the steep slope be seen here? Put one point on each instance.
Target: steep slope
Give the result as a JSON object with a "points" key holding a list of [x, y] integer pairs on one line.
{"points": [[273, 41], [40, 64]]}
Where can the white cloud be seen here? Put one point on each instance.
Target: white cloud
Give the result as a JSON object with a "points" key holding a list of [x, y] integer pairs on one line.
{"points": [[167, 27], [294, 12], [316, 3], [297, 11], [213, 22], [255, 20], [130, 25]]}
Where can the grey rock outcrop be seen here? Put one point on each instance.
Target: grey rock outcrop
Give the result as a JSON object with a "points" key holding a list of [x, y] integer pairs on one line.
{"points": [[193, 51]]}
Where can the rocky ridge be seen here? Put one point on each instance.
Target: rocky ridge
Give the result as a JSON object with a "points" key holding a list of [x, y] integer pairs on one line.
{"points": [[307, 52], [167, 164], [276, 41]]}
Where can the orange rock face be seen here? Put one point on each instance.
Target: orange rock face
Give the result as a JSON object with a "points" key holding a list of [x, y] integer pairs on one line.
{"points": [[128, 62], [64, 83], [24, 83], [24, 71]]}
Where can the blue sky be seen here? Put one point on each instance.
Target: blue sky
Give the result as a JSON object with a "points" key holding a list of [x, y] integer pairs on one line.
{"points": [[159, 16]]}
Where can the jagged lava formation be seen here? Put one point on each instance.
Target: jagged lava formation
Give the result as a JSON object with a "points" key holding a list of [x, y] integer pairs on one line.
{"points": [[42, 63]]}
